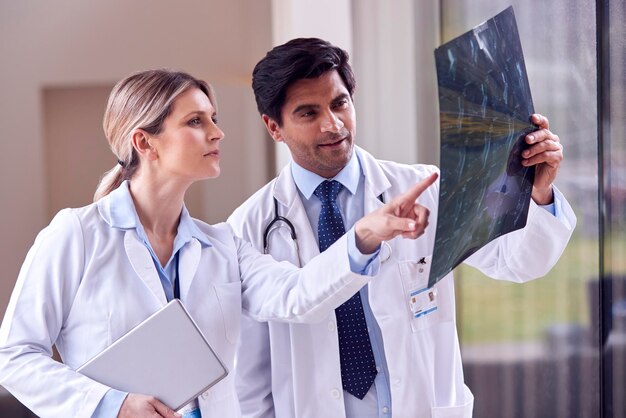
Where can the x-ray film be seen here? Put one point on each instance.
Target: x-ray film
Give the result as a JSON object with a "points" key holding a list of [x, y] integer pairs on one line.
{"points": [[485, 106]]}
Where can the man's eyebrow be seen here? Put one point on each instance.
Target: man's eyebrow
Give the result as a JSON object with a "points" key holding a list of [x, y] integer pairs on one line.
{"points": [[342, 96], [302, 107]]}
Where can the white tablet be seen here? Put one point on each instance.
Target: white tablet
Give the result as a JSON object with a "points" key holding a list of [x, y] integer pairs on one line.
{"points": [[165, 356]]}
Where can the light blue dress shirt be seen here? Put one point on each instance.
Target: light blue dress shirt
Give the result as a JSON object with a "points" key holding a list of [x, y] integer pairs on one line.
{"points": [[377, 402], [123, 213]]}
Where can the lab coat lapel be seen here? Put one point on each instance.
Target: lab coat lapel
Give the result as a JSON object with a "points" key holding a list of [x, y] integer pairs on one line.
{"points": [[286, 192], [142, 263], [376, 182], [188, 265]]}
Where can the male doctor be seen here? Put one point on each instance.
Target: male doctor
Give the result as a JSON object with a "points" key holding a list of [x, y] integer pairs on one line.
{"points": [[374, 357]]}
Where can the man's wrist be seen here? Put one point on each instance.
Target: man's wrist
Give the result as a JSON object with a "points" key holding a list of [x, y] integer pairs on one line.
{"points": [[364, 239], [543, 197]]}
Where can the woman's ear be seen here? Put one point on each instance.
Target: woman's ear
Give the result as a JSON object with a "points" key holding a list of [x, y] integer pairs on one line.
{"points": [[141, 142]]}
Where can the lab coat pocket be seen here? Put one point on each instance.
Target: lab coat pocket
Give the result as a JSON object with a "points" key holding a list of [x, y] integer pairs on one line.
{"points": [[464, 411], [229, 299], [421, 302], [461, 411]]}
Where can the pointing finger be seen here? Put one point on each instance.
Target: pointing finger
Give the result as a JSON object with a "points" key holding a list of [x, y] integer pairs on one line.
{"points": [[414, 192]]}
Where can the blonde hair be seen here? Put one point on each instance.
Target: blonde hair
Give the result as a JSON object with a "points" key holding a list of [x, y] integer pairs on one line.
{"points": [[142, 100]]}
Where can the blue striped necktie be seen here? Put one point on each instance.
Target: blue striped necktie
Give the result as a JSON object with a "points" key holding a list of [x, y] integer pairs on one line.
{"points": [[358, 368]]}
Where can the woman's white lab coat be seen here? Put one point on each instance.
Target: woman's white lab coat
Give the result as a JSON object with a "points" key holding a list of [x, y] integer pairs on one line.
{"points": [[298, 375], [85, 283]]}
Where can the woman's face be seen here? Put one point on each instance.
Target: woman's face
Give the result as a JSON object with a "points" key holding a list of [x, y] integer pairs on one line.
{"points": [[188, 145]]}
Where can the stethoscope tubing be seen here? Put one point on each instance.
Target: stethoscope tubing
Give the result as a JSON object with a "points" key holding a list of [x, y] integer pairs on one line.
{"points": [[292, 229], [277, 218]]}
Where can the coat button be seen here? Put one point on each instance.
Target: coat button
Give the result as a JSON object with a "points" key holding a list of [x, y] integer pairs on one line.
{"points": [[335, 393], [331, 326], [205, 395]]}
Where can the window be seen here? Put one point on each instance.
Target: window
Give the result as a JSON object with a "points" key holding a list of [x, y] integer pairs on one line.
{"points": [[532, 350]]}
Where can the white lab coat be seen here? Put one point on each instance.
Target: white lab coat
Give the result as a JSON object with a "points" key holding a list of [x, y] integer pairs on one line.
{"points": [[298, 374], [84, 284]]}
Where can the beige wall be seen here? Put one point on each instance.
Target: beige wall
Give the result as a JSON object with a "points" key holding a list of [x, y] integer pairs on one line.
{"points": [[60, 58], [52, 52], [75, 150]]}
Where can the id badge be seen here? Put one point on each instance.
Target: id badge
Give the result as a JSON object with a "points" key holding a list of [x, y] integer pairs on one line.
{"points": [[423, 301]]}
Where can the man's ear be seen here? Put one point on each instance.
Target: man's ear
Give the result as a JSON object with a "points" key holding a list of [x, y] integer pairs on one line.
{"points": [[141, 142], [273, 128]]}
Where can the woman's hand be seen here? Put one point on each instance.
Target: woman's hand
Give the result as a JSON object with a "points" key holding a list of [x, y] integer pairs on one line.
{"points": [[401, 216], [143, 406]]}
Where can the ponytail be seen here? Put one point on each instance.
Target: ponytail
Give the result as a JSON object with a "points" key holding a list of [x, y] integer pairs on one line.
{"points": [[110, 181]]}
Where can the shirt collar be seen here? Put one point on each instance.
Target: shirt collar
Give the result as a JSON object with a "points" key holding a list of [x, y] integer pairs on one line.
{"points": [[307, 181], [188, 229], [124, 216]]}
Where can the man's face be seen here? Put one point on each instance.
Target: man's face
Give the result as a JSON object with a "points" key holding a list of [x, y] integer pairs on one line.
{"points": [[319, 124]]}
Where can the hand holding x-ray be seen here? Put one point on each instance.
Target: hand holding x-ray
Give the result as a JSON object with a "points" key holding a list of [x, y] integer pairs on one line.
{"points": [[545, 152], [487, 162]]}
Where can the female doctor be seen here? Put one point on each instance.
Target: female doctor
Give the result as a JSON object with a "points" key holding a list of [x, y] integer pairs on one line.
{"points": [[96, 272]]}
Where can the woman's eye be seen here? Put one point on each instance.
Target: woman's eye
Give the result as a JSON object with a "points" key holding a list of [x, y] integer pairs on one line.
{"points": [[214, 119], [195, 122]]}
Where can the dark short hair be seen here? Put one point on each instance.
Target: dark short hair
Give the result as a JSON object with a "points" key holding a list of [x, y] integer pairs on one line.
{"points": [[297, 59]]}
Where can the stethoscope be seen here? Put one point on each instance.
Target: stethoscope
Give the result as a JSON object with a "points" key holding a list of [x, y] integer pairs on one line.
{"points": [[292, 231]]}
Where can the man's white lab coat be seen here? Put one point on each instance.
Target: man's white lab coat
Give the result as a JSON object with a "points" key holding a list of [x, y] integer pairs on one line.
{"points": [[293, 370]]}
